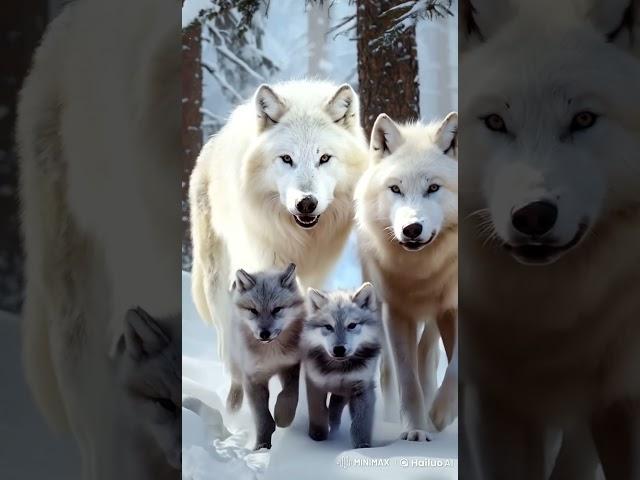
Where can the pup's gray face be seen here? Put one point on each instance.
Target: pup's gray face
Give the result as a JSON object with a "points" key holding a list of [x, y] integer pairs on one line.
{"points": [[341, 322], [267, 302], [149, 369]]}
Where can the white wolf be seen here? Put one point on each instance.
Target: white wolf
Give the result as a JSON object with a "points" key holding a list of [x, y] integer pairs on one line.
{"points": [[97, 238], [274, 187], [549, 267], [407, 213]]}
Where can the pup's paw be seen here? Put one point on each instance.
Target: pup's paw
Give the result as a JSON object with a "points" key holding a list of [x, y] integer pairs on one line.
{"points": [[318, 433], [285, 409], [234, 399], [261, 445], [416, 436], [445, 407], [362, 445]]}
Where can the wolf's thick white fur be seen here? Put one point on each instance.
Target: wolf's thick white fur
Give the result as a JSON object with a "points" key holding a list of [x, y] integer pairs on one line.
{"points": [[242, 194], [97, 239], [552, 347], [419, 288]]}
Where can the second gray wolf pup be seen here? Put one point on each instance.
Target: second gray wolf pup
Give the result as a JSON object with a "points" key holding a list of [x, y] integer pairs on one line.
{"points": [[341, 341], [267, 319]]}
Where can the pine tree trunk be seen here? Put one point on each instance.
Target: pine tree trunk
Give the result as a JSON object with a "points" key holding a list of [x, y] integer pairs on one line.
{"points": [[388, 73], [317, 29], [191, 121], [22, 24]]}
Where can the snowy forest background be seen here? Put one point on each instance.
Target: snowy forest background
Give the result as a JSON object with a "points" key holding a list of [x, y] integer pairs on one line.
{"points": [[400, 56]]}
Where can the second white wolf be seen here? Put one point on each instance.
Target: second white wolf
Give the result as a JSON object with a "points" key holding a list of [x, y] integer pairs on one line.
{"points": [[407, 213]]}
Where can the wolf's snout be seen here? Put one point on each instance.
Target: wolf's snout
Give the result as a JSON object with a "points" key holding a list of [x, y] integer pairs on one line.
{"points": [[307, 205], [535, 219], [339, 351], [265, 334], [412, 231]]}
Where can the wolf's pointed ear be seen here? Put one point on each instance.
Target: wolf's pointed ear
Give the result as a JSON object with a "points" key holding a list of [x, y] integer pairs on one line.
{"points": [[142, 334], [616, 19], [365, 297], [317, 299], [288, 277], [342, 106], [385, 137], [447, 135], [482, 19], [244, 281], [269, 107]]}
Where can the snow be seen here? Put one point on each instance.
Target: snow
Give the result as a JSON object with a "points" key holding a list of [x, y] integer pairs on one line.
{"points": [[219, 445], [30, 450], [191, 9]]}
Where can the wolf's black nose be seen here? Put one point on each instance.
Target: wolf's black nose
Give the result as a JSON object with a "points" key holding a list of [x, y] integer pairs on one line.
{"points": [[307, 205], [265, 334], [339, 351], [536, 218], [412, 230]]}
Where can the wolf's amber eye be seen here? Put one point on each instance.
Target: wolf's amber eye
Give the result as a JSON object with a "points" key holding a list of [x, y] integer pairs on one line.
{"points": [[287, 159], [329, 328], [276, 310], [495, 123], [583, 121], [325, 158], [395, 189], [433, 188], [352, 325], [253, 310]]}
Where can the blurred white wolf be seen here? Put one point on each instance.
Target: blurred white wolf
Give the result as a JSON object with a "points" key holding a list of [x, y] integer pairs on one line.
{"points": [[88, 128], [550, 233], [274, 187]]}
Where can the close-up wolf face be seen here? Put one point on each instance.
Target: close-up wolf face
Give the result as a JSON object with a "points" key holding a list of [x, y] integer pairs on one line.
{"points": [[305, 148], [268, 302], [549, 144], [412, 187], [342, 325]]}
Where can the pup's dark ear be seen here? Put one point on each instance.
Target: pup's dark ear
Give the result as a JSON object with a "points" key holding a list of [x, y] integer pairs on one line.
{"points": [[447, 135], [385, 137], [343, 106], [365, 297], [244, 281], [269, 107], [142, 334], [317, 299], [288, 278]]}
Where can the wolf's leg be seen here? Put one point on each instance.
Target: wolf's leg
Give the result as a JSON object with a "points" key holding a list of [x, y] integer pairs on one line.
{"points": [[336, 406], [287, 401], [502, 446], [258, 395], [616, 432], [404, 345], [445, 406], [428, 355], [361, 407], [577, 457], [236, 393], [318, 412]]}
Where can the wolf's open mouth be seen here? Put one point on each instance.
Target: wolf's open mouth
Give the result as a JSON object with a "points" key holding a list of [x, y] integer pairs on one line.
{"points": [[541, 253], [415, 246], [307, 221]]}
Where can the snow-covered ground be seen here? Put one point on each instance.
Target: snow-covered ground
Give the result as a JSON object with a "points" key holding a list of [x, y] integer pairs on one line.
{"points": [[29, 449], [217, 445]]}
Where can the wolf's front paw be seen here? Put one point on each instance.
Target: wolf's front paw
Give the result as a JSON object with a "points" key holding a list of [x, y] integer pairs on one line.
{"points": [[416, 436], [318, 432], [362, 445], [261, 445], [445, 407], [285, 409]]}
